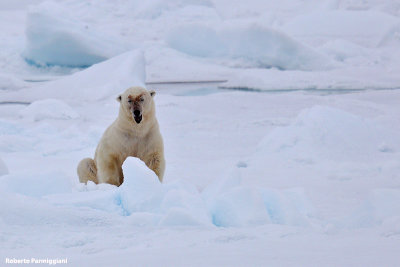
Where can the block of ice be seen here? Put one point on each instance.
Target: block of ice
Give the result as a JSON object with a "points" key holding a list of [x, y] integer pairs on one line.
{"points": [[247, 45], [55, 37]]}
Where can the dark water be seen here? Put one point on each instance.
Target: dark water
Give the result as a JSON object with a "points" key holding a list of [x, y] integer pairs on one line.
{"points": [[214, 87], [201, 89]]}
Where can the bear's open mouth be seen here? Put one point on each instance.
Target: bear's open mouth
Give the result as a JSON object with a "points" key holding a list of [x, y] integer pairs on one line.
{"points": [[138, 119]]}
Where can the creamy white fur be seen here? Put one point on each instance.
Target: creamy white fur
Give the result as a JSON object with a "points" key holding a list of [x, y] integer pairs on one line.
{"points": [[127, 138]]}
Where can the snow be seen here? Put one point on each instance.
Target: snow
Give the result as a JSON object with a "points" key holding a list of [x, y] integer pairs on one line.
{"points": [[3, 168], [298, 165], [48, 109], [35, 185], [383, 211], [344, 137], [324, 144], [10, 82]]}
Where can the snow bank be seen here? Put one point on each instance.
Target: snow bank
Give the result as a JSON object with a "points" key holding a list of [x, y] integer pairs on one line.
{"points": [[327, 133], [102, 80], [140, 188], [248, 45], [282, 183], [381, 207], [233, 202], [48, 109], [228, 202], [169, 205], [143, 201], [328, 147], [343, 50], [55, 37]]}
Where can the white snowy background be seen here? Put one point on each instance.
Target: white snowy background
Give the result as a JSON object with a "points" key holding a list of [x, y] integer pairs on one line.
{"points": [[290, 157]]}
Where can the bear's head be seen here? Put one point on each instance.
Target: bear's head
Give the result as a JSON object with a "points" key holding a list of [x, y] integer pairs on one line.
{"points": [[137, 103]]}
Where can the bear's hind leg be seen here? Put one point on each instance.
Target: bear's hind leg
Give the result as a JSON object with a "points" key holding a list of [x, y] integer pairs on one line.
{"points": [[109, 170], [87, 171]]}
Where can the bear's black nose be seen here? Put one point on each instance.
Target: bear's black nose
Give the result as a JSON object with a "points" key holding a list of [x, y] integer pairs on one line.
{"points": [[136, 112]]}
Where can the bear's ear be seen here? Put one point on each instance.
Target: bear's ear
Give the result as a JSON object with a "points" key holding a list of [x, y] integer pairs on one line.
{"points": [[119, 98], [152, 93]]}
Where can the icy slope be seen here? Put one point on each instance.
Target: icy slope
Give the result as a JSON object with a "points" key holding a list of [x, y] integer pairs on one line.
{"points": [[98, 82]]}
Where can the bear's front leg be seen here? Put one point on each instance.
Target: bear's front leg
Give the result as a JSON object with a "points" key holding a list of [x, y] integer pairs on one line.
{"points": [[155, 161], [109, 170]]}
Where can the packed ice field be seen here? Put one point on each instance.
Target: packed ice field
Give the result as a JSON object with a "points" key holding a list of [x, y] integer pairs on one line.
{"points": [[282, 145]]}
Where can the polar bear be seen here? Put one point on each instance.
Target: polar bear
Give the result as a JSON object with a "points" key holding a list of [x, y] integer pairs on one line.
{"points": [[135, 133]]}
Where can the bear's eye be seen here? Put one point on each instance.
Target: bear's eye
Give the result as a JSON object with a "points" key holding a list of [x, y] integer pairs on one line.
{"points": [[129, 100], [141, 99]]}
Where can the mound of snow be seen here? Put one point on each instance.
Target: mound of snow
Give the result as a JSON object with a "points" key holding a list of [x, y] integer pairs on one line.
{"points": [[240, 206], [233, 202], [169, 205], [250, 45], [323, 132], [55, 37], [48, 109], [343, 50], [326, 147], [227, 202], [381, 207], [366, 28], [141, 189], [144, 201], [102, 80]]}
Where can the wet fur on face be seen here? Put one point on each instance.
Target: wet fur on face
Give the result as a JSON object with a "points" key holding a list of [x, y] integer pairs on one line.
{"points": [[136, 102]]}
